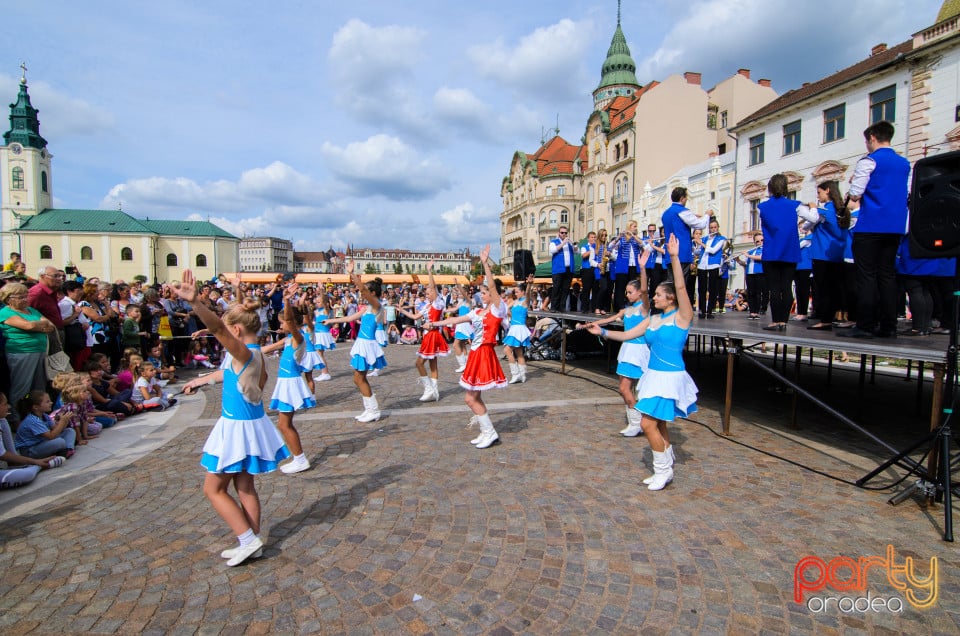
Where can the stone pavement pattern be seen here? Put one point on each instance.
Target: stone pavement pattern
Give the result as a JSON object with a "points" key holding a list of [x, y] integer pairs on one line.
{"points": [[548, 532]]}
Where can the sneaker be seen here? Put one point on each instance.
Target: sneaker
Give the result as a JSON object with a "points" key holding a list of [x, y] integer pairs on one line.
{"points": [[295, 466], [245, 552], [232, 552], [323, 377], [56, 461]]}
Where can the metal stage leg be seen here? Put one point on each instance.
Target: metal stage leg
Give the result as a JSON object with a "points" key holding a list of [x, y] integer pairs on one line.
{"points": [[919, 381], [830, 354], [563, 349], [733, 349]]}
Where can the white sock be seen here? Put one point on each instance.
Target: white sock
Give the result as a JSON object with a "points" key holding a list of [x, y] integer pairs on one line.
{"points": [[302, 457], [247, 537]]}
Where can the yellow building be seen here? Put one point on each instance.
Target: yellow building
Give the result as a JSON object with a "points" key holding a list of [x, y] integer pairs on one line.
{"points": [[108, 244]]}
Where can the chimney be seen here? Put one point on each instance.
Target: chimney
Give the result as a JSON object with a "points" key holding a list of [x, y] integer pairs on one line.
{"points": [[692, 78], [805, 84], [764, 82], [880, 48], [745, 72], [712, 155]]}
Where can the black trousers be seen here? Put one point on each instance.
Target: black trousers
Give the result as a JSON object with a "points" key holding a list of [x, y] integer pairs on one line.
{"points": [[801, 285], [827, 289], [655, 276], [780, 283], [875, 256], [560, 291], [708, 283], [920, 290], [587, 289], [620, 288], [757, 294]]}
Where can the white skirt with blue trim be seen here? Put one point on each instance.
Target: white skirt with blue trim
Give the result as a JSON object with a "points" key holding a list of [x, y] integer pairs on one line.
{"points": [[633, 359], [366, 355], [324, 341], [311, 361], [292, 394], [666, 395], [517, 336], [243, 446]]}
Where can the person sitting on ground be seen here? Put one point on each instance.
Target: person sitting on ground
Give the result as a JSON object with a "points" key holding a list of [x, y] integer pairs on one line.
{"points": [[38, 434], [20, 470], [409, 335]]}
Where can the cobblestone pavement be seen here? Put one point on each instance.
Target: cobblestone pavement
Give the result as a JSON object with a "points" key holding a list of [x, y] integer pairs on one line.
{"points": [[402, 527]]}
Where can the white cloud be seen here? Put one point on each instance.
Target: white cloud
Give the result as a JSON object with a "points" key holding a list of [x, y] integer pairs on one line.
{"points": [[461, 108], [464, 221], [277, 183], [805, 47], [383, 165], [373, 69], [547, 63], [61, 116]]}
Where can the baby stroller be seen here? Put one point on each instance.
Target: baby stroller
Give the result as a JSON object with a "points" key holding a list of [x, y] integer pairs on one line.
{"points": [[546, 340]]}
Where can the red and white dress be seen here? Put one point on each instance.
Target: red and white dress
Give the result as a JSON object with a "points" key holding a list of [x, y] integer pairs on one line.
{"points": [[433, 345], [483, 369]]}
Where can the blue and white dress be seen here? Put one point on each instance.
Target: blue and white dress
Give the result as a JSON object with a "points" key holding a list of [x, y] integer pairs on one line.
{"points": [[634, 356], [380, 335], [665, 391], [366, 354], [518, 335], [291, 392], [311, 360], [243, 440], [322, 339], [464, 330]]}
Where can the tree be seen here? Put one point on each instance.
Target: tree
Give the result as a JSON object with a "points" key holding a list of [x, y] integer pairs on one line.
{"points": [[398, 268], [370, 269], [140, 278]]}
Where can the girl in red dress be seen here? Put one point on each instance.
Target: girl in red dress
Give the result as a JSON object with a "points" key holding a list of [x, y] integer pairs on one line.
{"points": [[483, 370], [432, 345]]}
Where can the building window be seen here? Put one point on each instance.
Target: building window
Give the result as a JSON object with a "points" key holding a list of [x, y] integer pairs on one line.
{"points": [[756, 149], [561, 190], [549, 191], [43, 181], [46, 253], [590, 193], [171, 260], [791, 138], [126, 254], [616, 153], [16, 178], [722, 149], [723, 119], [533, 245], [883, 105], [533, 220], [834, 120], [201, 260], [86, 253], [625, 149], [553, 218], [616, 189], [564, 217], [543, 244], [754, 215], [602, 192]]}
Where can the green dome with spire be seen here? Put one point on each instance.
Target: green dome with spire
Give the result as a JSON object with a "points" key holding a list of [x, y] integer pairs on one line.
{"points": [[619, 67], [24, 125]]}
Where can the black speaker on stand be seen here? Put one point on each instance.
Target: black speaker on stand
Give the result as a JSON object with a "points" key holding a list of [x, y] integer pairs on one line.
{"points": [[934, 232], [523, 265]]}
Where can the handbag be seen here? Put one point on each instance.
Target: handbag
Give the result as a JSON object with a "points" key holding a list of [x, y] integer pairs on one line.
{"points": [[58, 361]]}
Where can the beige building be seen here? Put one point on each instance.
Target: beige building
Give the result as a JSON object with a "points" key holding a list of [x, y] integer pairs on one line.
{"points": [[329, 262], [108, 244], [382, 261], [636, 139], [266, 254]]}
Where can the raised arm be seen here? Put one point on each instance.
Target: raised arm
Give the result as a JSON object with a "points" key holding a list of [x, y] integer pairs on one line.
{"points": [[488, 276], [685, 309], [187, 289], [291, 324]]}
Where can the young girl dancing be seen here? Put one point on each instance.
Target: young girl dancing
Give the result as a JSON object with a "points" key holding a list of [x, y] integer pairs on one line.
{"points": [[243, 442], [291, 393], [463, 334], [664, 391], [518, 334], [483, 370], [634, 354], [311, 360], [322, 339], [366, 354], [432, 345]]}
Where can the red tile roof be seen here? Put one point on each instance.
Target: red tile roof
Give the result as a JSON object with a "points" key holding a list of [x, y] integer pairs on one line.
{"points": [[556, 156], [797, 95]]}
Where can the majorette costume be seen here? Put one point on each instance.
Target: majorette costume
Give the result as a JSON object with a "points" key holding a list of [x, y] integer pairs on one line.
{"points": [[243, 439], [634, 354], [311, 360], [322, 339], [666, 391], [291, 392], [483, 369], [518, 335], [433, 345], [366, 354]]}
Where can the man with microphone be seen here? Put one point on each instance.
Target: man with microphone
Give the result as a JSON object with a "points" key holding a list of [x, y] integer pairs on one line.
{"points": [[561, 269]]}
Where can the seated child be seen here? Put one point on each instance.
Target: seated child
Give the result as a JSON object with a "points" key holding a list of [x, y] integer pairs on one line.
{"points": [[38, 435], [20, 470]]}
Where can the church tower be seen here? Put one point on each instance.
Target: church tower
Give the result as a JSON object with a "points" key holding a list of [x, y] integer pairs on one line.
{"points": [[25, 168], [618, 76]]}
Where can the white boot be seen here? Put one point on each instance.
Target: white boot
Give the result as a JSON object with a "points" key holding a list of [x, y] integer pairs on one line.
{"points": [[488, 434], [634, 418], [371, 411], [514, 373], [435, 390], [427, 389], [662, 470], [523, 372], [473, 420], [462, 361], [668, 449]]}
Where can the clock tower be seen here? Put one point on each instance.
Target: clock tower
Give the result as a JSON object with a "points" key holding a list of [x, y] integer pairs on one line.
{"points": [[27, 186]]}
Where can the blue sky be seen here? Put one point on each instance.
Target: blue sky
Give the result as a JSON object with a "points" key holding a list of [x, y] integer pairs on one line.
{"points": [[376, 123]]}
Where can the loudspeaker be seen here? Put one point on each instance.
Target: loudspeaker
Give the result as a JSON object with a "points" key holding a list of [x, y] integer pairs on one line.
{"points": [[523, 264], [935, 207]]}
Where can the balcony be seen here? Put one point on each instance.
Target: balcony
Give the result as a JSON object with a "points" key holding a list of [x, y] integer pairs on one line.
{"points": [[621, 200]]}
